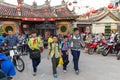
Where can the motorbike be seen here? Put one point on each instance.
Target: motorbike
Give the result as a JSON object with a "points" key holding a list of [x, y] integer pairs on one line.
{"points": [[92, 48], [100, 47], [110, 49], [16, 58]]}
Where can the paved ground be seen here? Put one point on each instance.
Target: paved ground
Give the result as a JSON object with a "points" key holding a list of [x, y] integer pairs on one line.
{"points": [[92, 67]]}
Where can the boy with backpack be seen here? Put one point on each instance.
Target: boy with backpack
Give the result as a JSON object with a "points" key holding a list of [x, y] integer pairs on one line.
{"points": [[64, 46], [54, 53]]}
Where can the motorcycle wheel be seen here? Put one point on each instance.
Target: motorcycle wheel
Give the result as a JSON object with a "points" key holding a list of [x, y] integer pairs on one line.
{"points": [[105, 52], [20, 64], [118, 56], [90, 51]]}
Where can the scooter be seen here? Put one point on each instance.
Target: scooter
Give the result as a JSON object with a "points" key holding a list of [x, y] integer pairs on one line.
{"points": [[110, 49], [100, 47], [92, 48]]}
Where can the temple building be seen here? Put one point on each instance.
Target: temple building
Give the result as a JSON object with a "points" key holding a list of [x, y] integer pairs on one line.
{"points": [[44, 19]]}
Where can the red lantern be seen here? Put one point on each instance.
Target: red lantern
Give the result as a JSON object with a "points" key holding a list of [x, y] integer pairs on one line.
{"points": [[19, 2], [31, 10], [88, 13], [110, 6], [93, 11], [70, 4], [62, 8]]}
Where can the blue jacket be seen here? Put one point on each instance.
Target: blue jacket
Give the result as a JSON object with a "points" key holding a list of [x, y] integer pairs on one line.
{"points": [[1, 40], [11, 41], [7, 66]]}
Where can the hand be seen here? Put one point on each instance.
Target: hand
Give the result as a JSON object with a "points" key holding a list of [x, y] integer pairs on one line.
{"points": [[31, 47]]}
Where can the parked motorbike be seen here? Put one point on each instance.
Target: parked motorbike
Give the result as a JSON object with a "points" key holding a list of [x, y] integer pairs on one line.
{"points": [[15, 57], [100, 47], [92, 48], [110, 49]]}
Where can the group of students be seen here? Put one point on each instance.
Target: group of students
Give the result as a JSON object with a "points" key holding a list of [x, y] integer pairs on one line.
{"points": [[62, 49], [58, 49], [55, 50]]}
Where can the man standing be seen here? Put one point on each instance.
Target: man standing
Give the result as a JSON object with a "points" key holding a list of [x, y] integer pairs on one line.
{"points": [[76, 41], [11, 40]]}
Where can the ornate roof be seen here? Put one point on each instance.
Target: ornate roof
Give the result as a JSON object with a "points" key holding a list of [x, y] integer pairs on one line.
{"points": [[99, 15], [43, 11]]}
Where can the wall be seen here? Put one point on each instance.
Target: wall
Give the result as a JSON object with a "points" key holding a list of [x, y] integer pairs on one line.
{"points": [[100, 28], [16, 25]]}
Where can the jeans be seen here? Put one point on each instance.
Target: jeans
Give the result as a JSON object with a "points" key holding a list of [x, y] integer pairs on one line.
{"points": [[35, 63], [65, 60], [76, 55], [55, 62]]}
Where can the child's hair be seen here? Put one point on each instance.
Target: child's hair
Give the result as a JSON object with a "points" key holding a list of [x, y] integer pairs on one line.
{"points": [[65, 37], [75, 29]]}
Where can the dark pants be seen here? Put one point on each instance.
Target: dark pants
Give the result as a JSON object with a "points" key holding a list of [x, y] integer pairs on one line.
{"points": [[76, 55], [55, 62], [65, 60], [117, 46], [35, 63]]}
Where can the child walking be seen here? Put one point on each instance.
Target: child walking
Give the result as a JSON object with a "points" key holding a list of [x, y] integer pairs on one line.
{"points": [[54, 53], [64, 46]]}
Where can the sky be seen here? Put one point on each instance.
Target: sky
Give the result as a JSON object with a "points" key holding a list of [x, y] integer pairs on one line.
{"points": [[81, 3], [92, 3]]}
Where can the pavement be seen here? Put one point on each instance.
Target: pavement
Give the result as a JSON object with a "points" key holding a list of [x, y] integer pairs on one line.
{"points": [[92, 67]]}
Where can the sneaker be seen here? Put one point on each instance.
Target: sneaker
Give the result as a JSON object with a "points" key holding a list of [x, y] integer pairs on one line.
{"points": [[77, 72], [64, 71], [34, 74], [55, 75]]}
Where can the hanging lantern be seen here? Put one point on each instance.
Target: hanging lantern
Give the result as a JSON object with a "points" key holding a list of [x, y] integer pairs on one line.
{"points": [[70, 4], [62, 8], [93, 11], [31, 10], [88, 13], [110, 6]]}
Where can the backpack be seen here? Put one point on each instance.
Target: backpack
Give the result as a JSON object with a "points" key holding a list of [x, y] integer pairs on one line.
{"points": [[63, 44]]}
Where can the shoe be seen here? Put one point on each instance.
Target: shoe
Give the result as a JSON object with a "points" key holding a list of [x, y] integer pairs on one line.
{"points": [[77, 72], [64, 71], [34, 74], [55, 75]]}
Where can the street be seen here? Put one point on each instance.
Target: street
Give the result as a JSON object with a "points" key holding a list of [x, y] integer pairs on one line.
{"points": [[92, 67]]}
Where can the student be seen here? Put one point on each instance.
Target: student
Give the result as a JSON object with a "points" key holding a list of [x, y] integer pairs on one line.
{"points": [[34, 44], [54, 53], [64, 46], [76, 41]]}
